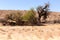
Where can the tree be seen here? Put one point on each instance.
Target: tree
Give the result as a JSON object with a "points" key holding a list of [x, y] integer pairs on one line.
{"points": [[43, 11]]}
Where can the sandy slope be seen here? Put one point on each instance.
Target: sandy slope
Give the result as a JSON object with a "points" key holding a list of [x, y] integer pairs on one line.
{"points": [[49, 32]]}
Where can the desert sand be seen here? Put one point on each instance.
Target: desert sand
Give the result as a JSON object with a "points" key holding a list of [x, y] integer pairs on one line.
{"points": [[48, 32]]}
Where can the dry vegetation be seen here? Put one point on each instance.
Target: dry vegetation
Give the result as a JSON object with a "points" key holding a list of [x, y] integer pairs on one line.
{"points": [[47, 32], [53, 16]]}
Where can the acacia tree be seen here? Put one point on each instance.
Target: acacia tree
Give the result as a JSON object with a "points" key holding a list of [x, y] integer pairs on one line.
{"points": [[43, 11]]}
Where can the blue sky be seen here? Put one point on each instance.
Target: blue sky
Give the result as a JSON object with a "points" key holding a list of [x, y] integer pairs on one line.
{"points": [[27, 4]]}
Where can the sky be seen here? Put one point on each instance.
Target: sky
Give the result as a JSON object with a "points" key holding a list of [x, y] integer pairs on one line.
{"points": [[27, 4]]}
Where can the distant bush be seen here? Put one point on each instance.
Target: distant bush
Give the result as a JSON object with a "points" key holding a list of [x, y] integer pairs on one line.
{"points": [[14, 17]]}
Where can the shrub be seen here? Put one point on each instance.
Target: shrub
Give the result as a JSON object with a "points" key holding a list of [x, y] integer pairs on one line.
{"points": [[29, 17], [14, 17]]}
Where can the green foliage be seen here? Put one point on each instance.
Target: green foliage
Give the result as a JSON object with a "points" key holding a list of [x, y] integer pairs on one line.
{"points": [[30, 16]]}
